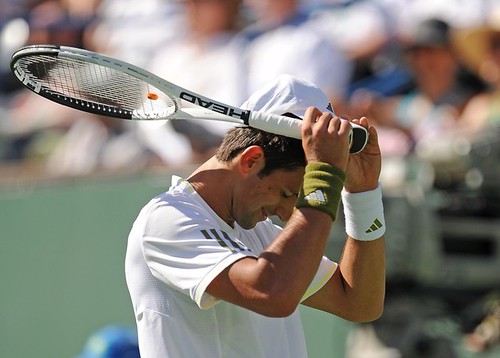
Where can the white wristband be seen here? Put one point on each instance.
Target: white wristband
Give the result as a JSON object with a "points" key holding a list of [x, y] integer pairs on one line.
{"points": [[364, 214]]}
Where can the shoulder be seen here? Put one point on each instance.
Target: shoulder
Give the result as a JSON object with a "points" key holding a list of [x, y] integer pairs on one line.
{"points": [[179, 207]]}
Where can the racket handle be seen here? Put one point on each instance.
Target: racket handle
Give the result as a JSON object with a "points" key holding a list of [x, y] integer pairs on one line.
{"points": [[273, 123], [291, 127]]}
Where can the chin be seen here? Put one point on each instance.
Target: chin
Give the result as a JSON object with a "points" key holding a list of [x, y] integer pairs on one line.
{"points": [[249, 221], [247, 226]]}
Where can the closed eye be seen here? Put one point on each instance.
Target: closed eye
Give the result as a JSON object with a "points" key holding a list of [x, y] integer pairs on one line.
{"points": [[288, 194]]}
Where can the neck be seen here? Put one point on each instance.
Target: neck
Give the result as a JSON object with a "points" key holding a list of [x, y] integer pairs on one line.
{"points": [[213, 182]]}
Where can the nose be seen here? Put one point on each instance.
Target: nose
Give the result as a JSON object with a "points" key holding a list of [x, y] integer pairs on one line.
{"points": [[284, 210]]}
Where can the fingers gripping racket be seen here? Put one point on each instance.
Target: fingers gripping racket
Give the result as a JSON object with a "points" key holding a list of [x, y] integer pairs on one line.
{"points": [[102, 85]]}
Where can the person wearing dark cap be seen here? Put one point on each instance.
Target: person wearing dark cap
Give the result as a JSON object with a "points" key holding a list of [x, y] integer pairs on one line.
{"points": [[208, 272], [430, 33], [436, 100]]}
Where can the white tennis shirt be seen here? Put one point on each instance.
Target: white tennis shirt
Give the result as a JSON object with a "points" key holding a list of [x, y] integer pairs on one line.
{"points": [[176, 247]]}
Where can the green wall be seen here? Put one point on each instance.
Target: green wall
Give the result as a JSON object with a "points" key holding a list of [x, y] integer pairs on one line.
{"points": [[61, 265]]}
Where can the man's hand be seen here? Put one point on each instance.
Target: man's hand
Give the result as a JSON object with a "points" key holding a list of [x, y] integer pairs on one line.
{"points": [[363, 169], [325, 138]]}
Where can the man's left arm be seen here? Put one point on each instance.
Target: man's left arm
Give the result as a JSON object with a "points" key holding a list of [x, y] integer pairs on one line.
{"points": [[356, 291]]}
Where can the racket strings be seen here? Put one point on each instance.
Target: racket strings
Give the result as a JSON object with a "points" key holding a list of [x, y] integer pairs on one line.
{"points": [[97, 88]]}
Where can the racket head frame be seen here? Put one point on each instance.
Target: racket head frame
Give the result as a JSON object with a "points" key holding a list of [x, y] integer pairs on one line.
{"points": [[22, 57], [206, 108]]}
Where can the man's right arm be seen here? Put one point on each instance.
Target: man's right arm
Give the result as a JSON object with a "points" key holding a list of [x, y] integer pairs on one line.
{"points": [[274, 283]]}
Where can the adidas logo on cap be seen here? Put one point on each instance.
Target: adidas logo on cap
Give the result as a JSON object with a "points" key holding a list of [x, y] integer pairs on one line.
{"points": [[330, 108]]}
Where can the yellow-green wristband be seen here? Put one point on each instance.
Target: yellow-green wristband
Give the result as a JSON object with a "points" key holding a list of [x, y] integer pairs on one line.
{"points": [[321, 188]]}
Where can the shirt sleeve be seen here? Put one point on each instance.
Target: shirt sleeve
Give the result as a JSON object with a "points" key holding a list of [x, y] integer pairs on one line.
{"points": [[325, 271]]}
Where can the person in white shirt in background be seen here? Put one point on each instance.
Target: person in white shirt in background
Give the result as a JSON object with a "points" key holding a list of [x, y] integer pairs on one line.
{"points": [[205, 56], [283, 40]]}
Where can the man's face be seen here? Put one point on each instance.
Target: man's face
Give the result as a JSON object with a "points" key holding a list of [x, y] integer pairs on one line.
{"points": [[260, 197]]}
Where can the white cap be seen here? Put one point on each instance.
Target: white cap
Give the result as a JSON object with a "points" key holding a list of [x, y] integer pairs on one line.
{"points": [[288, 94]]}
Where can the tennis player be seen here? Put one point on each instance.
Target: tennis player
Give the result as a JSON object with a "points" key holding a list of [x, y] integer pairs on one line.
{"points": [[208, 272]]}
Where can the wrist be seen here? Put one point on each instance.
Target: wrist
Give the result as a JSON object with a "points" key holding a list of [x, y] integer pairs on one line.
{"points": [[364, 214], [363, 187], [321, 188]]}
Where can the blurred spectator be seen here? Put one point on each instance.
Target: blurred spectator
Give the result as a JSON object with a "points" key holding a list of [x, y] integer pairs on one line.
{"points": [[372, 32], [112, 341], [26, 22], [480, 49], [95, 143], [432, 107], [27, 121], [14, 33], [205, 56], [56, 139], [60, 22], [62, 141], [361, 29], [134, 30], [282, 39]]}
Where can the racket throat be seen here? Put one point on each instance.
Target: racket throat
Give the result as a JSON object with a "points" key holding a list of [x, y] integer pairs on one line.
{"points": [[243, 115]]}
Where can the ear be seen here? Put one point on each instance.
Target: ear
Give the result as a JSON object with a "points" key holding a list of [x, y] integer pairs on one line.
{"points": [[252, 159]]}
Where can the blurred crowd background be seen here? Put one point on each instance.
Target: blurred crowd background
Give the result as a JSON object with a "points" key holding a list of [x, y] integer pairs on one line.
{"points": [[419, 71], [426, 73]]}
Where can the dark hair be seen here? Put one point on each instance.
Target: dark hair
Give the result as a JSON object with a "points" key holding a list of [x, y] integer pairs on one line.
{"points": [[280, 152]]}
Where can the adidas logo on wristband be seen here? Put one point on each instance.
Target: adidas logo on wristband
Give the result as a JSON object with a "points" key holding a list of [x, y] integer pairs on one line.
{"points": [[364, 214], [316, 196], [375, 226]]}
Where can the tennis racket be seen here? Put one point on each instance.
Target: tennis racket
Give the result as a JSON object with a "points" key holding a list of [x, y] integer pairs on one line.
{"points": [[102, 85]]}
